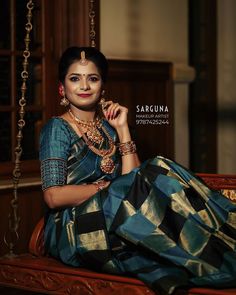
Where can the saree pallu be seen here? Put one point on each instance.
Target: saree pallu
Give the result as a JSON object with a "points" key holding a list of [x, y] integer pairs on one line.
{"points": [[159, 223]]}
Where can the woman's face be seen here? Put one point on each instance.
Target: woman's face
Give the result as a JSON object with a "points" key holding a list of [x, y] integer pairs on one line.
{"points": [[83, 85]]}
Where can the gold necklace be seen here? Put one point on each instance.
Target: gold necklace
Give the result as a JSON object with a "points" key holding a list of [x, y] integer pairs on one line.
{"points": [[107, 165], [90, 128]]}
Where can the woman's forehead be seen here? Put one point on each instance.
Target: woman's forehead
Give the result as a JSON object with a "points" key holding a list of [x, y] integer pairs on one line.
{"points": [[78, 68]]}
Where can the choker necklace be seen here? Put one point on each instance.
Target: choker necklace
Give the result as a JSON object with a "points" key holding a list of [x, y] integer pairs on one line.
{"points": [[107, 165], [90, 128]]}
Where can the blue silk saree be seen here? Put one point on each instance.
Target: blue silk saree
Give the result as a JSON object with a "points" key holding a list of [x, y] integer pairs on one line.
{"points": [[159, 223]]}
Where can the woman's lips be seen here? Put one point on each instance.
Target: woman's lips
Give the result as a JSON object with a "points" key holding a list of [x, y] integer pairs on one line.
{"points": [[84, 95]]}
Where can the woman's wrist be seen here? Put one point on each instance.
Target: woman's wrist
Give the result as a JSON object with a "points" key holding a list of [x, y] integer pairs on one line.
{"points": [[100, 185], [127, 148], [123, 133]]}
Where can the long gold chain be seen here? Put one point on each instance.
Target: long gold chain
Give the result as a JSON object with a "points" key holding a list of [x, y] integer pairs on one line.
{"points": [[11, 237], [107, 165], [92, 32]]}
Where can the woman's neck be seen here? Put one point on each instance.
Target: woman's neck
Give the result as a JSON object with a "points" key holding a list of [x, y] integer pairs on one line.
{"points": [[83, 115]]}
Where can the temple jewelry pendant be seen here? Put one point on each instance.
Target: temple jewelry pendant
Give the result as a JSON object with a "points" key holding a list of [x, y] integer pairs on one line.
{"points": [[95, 136], [107, 165]]}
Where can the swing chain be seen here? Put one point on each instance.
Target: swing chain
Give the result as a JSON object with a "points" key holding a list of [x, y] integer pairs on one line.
{"points": [[13, 218], [92, 33]]}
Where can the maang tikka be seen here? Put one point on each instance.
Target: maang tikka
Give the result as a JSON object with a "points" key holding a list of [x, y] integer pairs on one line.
{"points": [[83, 61]]}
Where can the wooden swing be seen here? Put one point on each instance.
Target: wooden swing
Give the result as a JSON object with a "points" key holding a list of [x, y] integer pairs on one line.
{"points": [[36, 272]]}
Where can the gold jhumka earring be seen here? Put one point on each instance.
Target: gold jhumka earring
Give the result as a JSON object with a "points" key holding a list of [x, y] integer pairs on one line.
{"points": [[64, 101], [102, 102]]}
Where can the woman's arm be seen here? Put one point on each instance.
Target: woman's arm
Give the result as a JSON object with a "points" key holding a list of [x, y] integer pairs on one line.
{"points": [[55, 147], [129, 161], [71, 195], [117, 118]]}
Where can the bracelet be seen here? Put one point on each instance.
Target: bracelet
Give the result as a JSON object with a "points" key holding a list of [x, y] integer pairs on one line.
{"points": [[126, 148], [100, 185]]}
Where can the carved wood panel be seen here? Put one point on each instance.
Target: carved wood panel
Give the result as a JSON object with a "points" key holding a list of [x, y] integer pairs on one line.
{"points": [[41, 280]]}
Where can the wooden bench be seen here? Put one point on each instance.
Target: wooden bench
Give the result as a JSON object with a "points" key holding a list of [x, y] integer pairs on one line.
{"points": [[35, 272]]}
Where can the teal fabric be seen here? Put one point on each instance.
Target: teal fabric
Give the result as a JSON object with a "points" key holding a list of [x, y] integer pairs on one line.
{"points": [[159, 222]]}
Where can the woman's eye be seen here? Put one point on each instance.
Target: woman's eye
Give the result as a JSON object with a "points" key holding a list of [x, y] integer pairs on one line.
{"points": [[74, 79], [94, 79]]}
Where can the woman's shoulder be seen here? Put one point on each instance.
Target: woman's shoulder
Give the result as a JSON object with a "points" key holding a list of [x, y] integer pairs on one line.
{"points": [[55, 139], [56, 126], [54, 122]]}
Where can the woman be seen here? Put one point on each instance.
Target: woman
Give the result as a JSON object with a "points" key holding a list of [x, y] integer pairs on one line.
{"points": [[155, 221]]}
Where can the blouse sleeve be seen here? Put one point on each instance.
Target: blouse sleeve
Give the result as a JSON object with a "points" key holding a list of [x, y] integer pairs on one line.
{"points": [[53, 153]]}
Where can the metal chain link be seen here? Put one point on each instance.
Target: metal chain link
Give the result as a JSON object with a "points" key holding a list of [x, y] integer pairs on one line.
{"points": [[92, 33], [11, 237]]}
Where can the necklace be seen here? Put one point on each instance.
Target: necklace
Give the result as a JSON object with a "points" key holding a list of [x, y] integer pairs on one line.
{"points": [[107, 165], [90, 128]]}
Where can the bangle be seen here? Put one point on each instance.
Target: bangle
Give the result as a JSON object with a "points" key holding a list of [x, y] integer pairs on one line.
{"points": [[100, 185], [127, 148]]}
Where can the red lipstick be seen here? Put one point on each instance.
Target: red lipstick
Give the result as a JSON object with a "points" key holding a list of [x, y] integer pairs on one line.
{"points": [[84, 95]]}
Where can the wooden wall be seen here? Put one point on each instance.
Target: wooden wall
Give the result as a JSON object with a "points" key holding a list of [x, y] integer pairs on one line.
{"points": [[142, 83]]}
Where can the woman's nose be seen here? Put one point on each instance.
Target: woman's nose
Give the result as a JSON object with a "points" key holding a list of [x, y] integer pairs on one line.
{"points": [[84, 84]]}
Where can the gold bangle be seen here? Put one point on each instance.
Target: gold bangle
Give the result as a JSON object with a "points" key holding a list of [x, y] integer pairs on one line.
{"points": [[126, 148]]}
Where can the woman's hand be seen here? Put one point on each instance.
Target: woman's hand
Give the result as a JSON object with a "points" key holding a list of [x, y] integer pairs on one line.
{"points": [[116, 114], [101, 184], [117, 118]]}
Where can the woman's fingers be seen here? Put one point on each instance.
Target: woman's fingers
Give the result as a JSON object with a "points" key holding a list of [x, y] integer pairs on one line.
{"points": [[113, 109]]}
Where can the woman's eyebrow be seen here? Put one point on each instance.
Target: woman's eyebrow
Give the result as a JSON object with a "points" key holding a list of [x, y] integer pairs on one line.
{"points": [[78, 74]]}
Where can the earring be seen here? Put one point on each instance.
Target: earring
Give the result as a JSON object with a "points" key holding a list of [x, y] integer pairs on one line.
{"points": [[64, 101], [102, 101]]}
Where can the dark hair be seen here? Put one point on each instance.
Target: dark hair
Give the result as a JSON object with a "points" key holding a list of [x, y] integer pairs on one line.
{"points": [[73, 54]]}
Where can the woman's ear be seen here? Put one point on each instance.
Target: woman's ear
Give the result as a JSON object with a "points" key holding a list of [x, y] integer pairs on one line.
{"points": [[61, 89]]}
